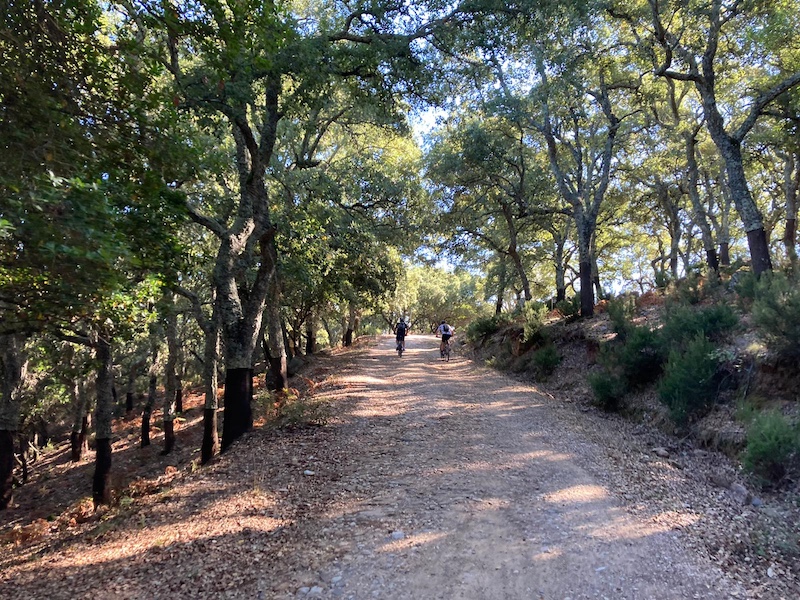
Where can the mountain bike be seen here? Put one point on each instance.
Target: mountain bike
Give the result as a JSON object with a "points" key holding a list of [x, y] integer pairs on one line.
{"points": [[400, 348], [445, 351]]}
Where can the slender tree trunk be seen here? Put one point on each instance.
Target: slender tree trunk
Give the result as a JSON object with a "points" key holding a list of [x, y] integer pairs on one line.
{"points": [[171, 384], [101, 490], [12, 370], [698, 211], [585, 230], [80, 421], [210, 446], [311, 334], [351, 325], [791, 183], [147, 412]]}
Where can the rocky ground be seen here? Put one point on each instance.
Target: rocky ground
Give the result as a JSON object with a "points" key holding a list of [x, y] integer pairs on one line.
{"points": [[431, 480]]}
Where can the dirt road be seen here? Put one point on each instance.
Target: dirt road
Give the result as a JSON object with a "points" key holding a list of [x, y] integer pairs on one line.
{"points": [[434, 480], [479, 491]]}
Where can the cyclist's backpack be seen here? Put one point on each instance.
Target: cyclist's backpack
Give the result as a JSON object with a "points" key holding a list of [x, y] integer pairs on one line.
{"points": [[401, 328], [445, 328]]}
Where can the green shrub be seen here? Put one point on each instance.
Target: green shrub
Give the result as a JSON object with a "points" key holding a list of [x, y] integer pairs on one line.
{"points": [[683, 323], [776, 311], [479, 329], [689, 386], [608, 390], [640, 359], [570, 308], [691, 289], [771, 443], [545, 361], [744, 284], [535, 315], [620, 312]]}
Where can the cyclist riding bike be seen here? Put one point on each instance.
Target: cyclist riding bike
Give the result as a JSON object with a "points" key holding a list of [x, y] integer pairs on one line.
{"points": [[401, 329], [446, 331]]}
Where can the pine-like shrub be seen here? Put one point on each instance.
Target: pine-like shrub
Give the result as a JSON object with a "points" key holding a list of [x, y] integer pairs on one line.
{"points": [[640, 359], [608, 389], [689, 385], [534, 328], [545, 361], [620, 312], [684, 323], [481, 328], [569, 308], [776, 311], [772, 442]]}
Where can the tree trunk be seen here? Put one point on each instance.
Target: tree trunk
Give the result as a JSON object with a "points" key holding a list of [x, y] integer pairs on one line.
{"points": [[170, 384], [731, 152], [80, 422], [698, 211], [12, 371], [238, 417], [179, 395], [210, 446], [791, 183], [147, 412], [311, 335], [6, 467], [101, 490], [351, 325]]}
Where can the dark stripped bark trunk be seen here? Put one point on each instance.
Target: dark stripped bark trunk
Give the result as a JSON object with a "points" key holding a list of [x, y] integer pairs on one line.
{"points": [[238, 416], [6, 467], [171, 383], [147, 411], [12, 372], [179, 395], [101, 489]]}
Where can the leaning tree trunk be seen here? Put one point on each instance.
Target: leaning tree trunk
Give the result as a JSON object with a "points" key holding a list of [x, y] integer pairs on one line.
{"points": [[731, 152], [12, 369], [791, 183], [698, 211], [101, 489], [170, 382]]}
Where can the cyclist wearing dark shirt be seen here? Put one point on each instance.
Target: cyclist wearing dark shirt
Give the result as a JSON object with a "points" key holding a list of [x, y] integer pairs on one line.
{"points": [[400, 333]]}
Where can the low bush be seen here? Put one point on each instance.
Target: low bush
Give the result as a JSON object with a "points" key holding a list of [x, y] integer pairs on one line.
{"points": [[683, 323], [640, 359], [689, 387], [620, 312], [772, 442], [776, 311], [479, 329], [570, 308], [545, 361], [535, 315], [608, 389]]}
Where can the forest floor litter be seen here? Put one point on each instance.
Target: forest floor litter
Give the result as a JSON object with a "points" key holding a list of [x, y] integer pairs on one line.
{"points": [[431, 480]]}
